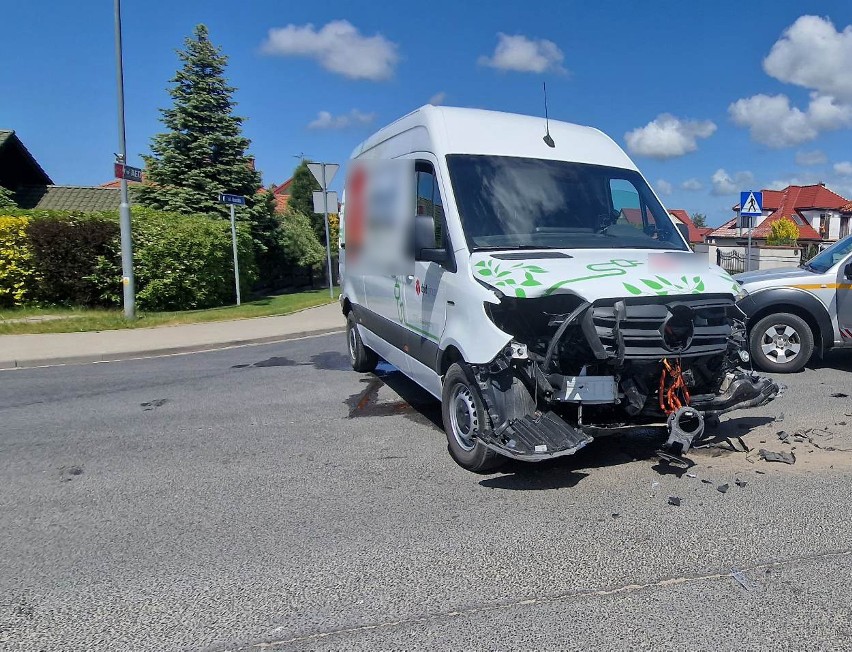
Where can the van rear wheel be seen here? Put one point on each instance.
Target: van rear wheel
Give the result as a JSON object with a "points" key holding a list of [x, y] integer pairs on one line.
{"points": [[464, 416], [363, 359]]}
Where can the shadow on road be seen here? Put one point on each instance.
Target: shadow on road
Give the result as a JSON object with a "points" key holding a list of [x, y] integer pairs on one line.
{"points": [[840, 360]]}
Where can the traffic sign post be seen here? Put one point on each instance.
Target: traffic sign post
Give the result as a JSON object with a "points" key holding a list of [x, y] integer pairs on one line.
{"points": [[751, 206], [324, 173], [233, 201]]}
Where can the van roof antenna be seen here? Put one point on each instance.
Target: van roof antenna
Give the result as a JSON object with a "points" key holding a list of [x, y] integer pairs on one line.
{"points": [[548, 139]]}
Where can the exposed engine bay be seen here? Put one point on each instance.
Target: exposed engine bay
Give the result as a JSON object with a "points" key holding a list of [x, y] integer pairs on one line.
{"points": [[596, 368]]}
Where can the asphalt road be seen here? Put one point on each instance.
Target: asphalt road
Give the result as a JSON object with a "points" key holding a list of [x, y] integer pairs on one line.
{"points": [[270, 495]]}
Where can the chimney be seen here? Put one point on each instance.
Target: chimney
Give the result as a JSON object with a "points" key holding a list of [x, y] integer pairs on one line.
{"points": [[250, 162]]}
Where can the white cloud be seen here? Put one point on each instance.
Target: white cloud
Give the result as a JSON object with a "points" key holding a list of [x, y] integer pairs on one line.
{"points": [[438, 98], [668, 136], [725, 184], [664, 187], [521, 54], [338, 47], [325, 120], [815, 157], [844, 168], [692, 185], [773, 122], [810, 53], [813, 54]]}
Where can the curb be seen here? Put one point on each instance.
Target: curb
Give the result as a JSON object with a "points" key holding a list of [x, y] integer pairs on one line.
{"points": [[6, 365]]}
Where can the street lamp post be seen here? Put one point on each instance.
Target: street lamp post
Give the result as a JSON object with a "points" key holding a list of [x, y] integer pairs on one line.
{"points": [[124, 207]]}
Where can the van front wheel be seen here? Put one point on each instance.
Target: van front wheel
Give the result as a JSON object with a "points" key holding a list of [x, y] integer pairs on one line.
{"points": [[363, 359], [464, 416]]}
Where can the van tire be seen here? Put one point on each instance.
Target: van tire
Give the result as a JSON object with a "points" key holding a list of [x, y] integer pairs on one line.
{"points": [[464, 413], [363, 359], [781, 336]]}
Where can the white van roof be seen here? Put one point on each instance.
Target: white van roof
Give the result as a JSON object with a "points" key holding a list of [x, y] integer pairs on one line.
{"points": [[454, 130]]}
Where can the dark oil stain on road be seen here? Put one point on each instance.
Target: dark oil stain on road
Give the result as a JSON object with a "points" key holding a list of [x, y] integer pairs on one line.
{"points": [[68, 473], [331, 361], [415, 405], [276, 362]]}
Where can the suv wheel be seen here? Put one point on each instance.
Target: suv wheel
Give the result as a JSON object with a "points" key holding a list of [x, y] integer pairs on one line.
{"points": [[782, 343]]}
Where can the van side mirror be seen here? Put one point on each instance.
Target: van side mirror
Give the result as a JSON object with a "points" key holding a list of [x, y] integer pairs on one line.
{"points": [[684, 231], [424, 240], [847, 271]]}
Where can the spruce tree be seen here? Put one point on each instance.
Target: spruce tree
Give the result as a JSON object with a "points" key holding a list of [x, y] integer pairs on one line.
{"points": [[203, 151]]}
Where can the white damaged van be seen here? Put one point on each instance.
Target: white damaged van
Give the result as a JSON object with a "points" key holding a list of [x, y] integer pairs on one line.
{"points": [[539, 289]]}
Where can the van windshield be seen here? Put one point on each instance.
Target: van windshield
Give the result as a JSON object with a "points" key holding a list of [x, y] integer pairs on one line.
{"points": [[509, 202]]}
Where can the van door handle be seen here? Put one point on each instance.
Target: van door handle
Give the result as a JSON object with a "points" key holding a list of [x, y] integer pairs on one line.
{"points": [[409, 278]]}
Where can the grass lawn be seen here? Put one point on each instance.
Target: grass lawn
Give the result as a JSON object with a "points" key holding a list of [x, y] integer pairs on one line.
{"points": [[69, 320]]}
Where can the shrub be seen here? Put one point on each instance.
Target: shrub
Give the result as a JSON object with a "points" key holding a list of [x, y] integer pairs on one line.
{"points": [[299, 241], [7, 199], [186, 262], [18, 276], [67, 248], [783, 232], [180, 261]]}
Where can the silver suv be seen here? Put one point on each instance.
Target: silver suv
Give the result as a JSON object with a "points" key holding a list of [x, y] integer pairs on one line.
{"points": [[793, 312]]}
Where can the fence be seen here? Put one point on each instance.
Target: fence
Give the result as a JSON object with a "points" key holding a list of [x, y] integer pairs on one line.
{"points": [[732, 262]]}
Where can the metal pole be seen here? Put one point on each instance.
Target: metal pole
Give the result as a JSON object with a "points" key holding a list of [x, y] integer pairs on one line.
{"points": [[124, 207], [327, 234], [236, 261], [750, 229]]}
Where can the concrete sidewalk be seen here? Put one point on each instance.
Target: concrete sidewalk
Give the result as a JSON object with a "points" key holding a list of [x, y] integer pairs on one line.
{"points": [[100, 346]]}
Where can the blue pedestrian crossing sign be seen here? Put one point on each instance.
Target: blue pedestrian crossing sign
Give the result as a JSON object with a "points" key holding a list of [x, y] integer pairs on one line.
{"points": [[751, 203]]}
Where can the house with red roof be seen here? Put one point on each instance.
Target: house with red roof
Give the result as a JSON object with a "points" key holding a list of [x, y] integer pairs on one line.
{"points": [[821, 215]]}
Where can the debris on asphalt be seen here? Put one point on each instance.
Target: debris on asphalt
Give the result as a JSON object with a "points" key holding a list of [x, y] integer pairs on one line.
{"points": [[761, 472], [722, 488], [654, 485], [740, 483], [615, 514], [739, 445], [741, 579], [674, 500], [150, 405], [782, 435], [772, 456], [780, 417], [707, 481], [839, 395], [691, 475], [67, 473]]}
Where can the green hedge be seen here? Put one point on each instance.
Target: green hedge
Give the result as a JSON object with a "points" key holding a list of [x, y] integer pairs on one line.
{"points": [[180, 261]]}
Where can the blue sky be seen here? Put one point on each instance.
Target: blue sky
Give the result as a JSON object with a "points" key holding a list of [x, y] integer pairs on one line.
{"points": [[708, 98]]}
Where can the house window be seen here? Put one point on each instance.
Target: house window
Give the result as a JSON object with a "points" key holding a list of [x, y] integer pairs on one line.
{"points": [[824, 220], [844, 226]]}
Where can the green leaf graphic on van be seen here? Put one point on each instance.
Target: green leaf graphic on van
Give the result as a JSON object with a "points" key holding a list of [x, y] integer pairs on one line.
{"points": [[662, 286], [517, 275]]}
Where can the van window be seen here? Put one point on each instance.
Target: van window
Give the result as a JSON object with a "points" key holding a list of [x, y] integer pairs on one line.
{"points": [[509, 202], [429, 200]]}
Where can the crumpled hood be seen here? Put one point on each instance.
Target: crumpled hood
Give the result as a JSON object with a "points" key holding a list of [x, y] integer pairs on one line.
{"points": [[781, 274], [600, 273]]}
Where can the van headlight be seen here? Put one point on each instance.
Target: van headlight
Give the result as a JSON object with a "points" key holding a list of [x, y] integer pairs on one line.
{"points": [[742, 294]]}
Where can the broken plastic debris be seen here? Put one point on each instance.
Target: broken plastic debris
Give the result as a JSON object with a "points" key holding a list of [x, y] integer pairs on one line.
{"points": [[839, 395], [780, 417], [674, 500], [772, 456], [722, 488], [741, 579], [782, 435], [691, 475], [740, 483]]}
